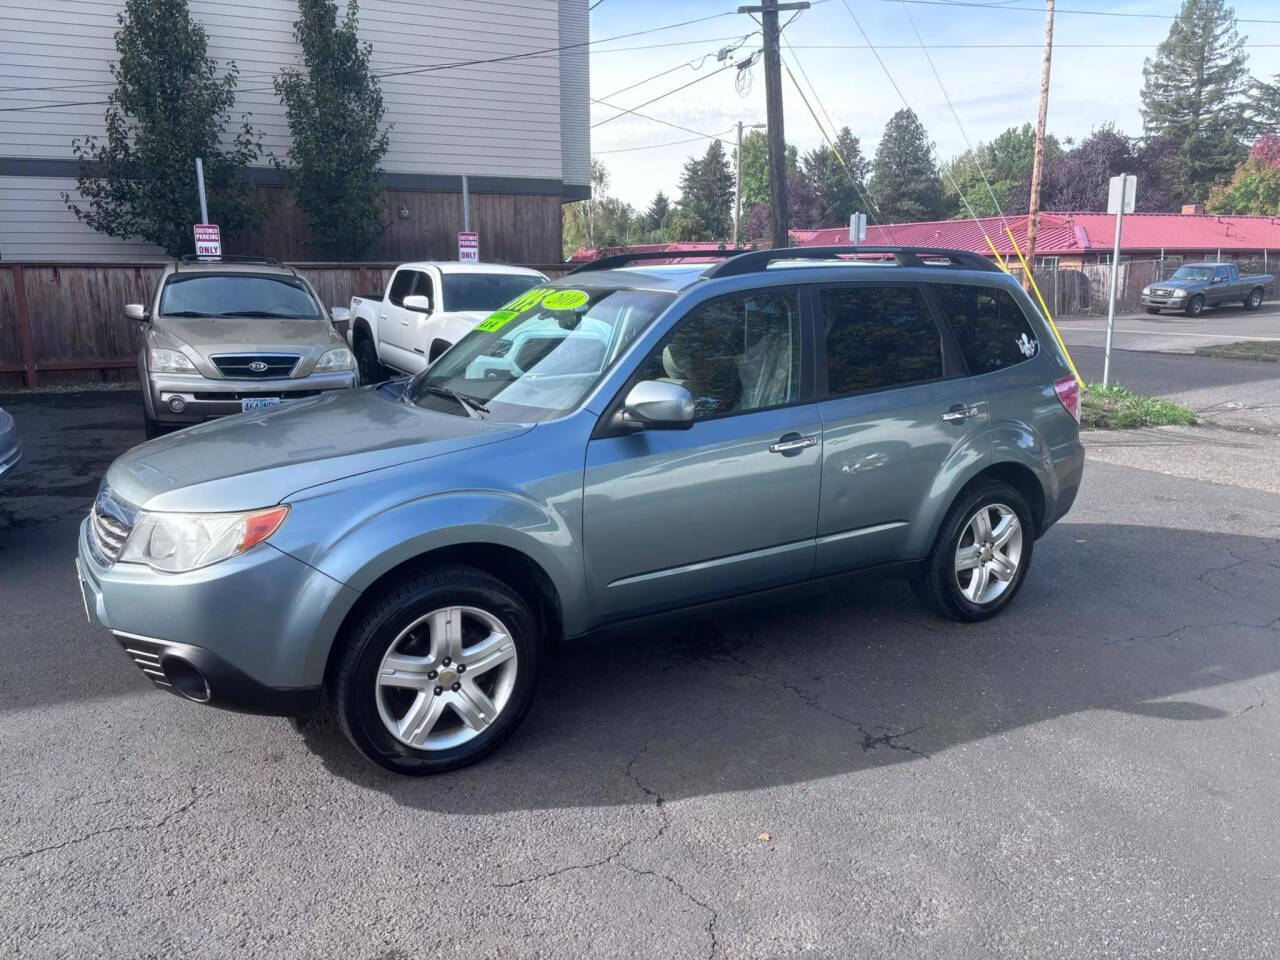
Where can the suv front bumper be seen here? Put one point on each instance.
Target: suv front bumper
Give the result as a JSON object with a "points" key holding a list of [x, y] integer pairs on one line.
{"points": [[205, 399], [251, 633]]}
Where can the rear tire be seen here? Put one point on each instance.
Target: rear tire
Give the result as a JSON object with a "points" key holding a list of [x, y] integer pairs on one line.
{"points": [[371, 369], [991, 576], [441, 620], [1254, 300], [1195, 306]]}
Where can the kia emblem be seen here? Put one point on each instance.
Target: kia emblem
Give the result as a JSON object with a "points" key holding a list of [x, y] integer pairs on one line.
{"points": [[258, 366]]}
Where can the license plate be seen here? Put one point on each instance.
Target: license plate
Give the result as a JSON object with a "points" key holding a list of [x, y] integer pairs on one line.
{"points": [[259, 403], [84, 593]]}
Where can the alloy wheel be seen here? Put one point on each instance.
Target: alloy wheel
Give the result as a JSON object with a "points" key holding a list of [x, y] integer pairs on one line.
{"points": [[446, 678], [989, 553]]}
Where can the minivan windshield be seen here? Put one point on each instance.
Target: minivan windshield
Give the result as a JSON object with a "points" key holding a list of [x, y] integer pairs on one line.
{"points": [[238, 295], [538, 356], [1193, 273], [484, 291]]}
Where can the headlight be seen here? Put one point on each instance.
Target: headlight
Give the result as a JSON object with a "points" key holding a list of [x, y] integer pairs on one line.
{"points": [[1146, 291], [1179, 293], [169, 361], [337, 359], [178, 542]]}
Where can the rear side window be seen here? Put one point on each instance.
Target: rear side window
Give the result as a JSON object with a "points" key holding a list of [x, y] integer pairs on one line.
{"points": [[878, 337], [991, 327], [401, 286]]}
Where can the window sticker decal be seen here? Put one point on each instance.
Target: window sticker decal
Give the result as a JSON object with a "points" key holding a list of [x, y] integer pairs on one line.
{"points": [[564, 299], [1027, 346], [497, 320]]}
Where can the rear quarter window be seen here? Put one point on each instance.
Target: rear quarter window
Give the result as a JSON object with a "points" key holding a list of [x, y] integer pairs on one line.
{"points": [[992, 331]]}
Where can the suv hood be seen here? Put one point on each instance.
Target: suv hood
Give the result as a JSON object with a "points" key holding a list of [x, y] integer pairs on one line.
{"points": [[204, 337], [248, 461]]}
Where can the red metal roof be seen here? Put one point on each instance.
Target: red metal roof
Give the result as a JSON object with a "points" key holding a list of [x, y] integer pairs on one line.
{"points": [[1073, 233]]}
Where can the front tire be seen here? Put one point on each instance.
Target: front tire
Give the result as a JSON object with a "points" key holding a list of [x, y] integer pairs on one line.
{"points": [[981, 555], [438, 671], [1254, 300], [371, 369], [1195, 306]]}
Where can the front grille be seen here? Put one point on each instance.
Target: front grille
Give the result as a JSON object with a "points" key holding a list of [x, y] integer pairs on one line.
{"points": [[147, 656], [256, 366], [227, 395], [1161, 293], [111, 522]]}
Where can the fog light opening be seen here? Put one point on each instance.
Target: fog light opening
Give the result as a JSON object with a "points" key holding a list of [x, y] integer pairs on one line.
{"points": [[186, 679], [177, 404]]}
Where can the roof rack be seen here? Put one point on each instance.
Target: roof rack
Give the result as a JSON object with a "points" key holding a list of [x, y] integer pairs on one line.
{"points": [[192, 258], [622, 259], [755, 260]]}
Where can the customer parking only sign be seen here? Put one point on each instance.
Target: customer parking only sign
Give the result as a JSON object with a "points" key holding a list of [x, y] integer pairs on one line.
{"points": [[468, 247], [208, 241]]}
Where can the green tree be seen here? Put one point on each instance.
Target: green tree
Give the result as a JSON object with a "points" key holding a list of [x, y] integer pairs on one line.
{"points": [[334, 106], [904, 178], [1192, 92], [755, 168], [1255, 187], [706, 195], [1263, 105], [840, 186], [168, 108], [600, 221], [1006, 161], [658, 211]]}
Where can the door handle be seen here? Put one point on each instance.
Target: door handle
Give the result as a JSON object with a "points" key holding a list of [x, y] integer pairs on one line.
{"points": [[960, 412], [790, 442]]}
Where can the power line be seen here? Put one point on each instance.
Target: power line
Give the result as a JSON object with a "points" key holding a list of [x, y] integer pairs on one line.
{"points": [[655, 146], [999, 46], [665, 123], [1040, 10], [719, 54], [663, 96]]}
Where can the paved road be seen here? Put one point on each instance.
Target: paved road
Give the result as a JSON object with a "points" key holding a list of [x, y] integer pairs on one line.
{"points": [[1092, 774], [1174, 332]]}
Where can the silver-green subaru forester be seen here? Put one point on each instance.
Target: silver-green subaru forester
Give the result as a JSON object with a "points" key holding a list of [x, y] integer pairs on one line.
{"points": [[627, 440]]}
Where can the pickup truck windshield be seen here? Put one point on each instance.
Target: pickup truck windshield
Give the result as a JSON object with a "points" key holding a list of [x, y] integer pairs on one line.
{"points": [[538, 356], [484, 291], [1193, 273], [237, 295]]}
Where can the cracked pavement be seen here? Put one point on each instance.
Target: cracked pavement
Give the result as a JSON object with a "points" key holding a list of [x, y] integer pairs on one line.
{"points": [[833, 774]]}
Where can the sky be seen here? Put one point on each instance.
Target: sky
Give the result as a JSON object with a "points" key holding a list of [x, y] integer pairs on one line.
{"points": [[1096, 76]]}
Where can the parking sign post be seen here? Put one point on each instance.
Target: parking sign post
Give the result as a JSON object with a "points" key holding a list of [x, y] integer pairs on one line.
{"points": [[204, 208], [1120, 199]]}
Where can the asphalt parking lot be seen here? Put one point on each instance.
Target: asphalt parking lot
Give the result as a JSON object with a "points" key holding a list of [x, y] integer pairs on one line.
{"points": [[1092, 774]]}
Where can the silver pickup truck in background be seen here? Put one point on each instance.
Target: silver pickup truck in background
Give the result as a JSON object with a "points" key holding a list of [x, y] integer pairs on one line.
{"points": [[1195, 286]]}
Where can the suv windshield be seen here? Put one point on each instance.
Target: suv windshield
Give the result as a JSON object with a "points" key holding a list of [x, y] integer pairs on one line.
{"points": [[237, 295], [484, 291], [1193, 273], [538, 356]]}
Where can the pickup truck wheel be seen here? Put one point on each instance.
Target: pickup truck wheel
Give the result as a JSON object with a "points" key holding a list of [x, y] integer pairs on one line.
{"points": [[437, 672], [981, 555], [1195, 306], [371, 370], [1254, 300]]}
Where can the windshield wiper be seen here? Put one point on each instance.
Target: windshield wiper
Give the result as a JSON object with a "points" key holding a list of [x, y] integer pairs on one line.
{"points": [[184, 313], [262, 314], [473, 406]]}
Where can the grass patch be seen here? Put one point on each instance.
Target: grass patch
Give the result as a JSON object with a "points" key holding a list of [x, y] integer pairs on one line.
{"points": [[1243, 350], [1119, 408]]}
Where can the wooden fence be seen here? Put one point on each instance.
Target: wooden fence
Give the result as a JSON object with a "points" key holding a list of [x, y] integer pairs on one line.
{"points": [[64, 322]]}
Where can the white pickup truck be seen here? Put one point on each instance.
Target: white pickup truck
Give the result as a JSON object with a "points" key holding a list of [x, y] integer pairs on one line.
{"points": [[426, 308]]}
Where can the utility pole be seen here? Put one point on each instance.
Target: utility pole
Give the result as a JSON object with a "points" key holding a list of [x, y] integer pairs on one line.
{"points": [[737, 190], [779, 219], [1037, 165]]}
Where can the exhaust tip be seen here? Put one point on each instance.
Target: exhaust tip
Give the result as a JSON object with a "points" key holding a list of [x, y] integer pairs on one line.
{"points": [[186, 679]]}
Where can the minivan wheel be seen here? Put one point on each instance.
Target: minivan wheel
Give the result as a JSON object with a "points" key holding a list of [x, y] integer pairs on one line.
{"points": [[438, 671], [981, 556]]}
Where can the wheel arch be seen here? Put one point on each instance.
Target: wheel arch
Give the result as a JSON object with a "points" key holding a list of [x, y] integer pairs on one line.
{"points": [[361, 330]]}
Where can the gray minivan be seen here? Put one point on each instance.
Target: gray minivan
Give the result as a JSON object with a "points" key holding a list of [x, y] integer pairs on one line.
{"points": [[624, 441]]}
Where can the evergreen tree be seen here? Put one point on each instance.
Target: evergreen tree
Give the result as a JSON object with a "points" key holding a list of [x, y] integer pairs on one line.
{"points": [[658, 211], [840, 186], [706, 195], [167, 109], [334, 106], [904, 177], [755, 168], [1263, 105], [1192, 94]]}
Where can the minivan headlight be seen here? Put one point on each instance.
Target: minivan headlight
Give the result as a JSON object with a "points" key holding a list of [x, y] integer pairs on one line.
{"points": [[178, 542], [169, 361], [337, 359]]}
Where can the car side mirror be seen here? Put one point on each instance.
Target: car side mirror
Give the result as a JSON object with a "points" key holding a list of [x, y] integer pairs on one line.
{"points": [[418, 303], [136, 312], [340, 314], [658, 405]]}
